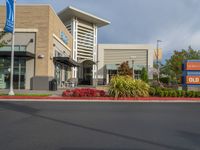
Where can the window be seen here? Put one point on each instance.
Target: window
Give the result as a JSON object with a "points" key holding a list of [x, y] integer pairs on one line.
{"points": [[58, 54], [137, 74]]}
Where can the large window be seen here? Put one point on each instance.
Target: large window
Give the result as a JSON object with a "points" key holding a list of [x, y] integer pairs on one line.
{"points": [[18, 76]]}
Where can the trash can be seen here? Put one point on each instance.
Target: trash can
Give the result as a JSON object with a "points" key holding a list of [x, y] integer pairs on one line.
{"points": [[53, 85]]}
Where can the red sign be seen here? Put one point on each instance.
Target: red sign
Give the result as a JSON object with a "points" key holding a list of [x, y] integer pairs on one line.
{"points": [[193, 80], [193, 66]]}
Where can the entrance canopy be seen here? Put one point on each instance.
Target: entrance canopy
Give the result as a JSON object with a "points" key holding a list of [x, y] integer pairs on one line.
{"points": [[66, 61], [21, 54], [87, 61]]}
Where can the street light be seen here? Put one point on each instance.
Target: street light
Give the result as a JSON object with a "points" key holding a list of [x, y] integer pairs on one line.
{"points": [[132, 58], [157, 59]]}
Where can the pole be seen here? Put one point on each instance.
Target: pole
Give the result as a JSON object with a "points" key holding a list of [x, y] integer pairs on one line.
{"points": [[157, 59], [12, 56], [133, 68]]}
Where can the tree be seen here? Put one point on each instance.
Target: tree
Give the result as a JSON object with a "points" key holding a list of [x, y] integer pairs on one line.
{"points": [[2, 42], [124, 69], [144, 75], [173, 66]]}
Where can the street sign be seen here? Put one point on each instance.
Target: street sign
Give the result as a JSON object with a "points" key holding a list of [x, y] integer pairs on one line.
{"points": [[193, 80]]}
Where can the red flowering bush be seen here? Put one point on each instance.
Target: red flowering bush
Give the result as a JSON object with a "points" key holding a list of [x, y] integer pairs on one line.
{"points": [[84, 92]]}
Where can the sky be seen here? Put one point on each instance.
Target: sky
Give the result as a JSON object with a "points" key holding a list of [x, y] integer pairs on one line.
{"points": [[175, 22]]}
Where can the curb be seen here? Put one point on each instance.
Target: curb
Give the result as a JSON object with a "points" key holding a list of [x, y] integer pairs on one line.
{"points": [[96, 99]]}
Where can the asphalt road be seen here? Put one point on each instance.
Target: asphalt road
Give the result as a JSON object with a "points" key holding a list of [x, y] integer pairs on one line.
{"points": [[99, 126]]}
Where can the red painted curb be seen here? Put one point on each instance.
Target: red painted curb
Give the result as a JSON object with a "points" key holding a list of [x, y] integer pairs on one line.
{"points": [[102, 98]]}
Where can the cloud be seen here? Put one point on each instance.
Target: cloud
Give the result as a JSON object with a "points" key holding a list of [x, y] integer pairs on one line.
{"points": [[176, 22]]}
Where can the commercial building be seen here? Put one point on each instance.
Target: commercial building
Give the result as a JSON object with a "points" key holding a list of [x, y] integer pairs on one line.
{"points": [[64, 47], [84, 29], [110, 56], [43, 48]]}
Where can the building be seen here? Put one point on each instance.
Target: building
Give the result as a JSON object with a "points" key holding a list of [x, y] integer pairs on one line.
{"points": [[158, 54], [110, 56], [43, 48], [64, 47], [84, 28]]}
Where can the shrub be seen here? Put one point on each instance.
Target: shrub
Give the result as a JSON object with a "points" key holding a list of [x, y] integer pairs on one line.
{"points": [[172, 93], [193, 94], [197, 94], [161, 93], [152, 91], [158, 91], [125, 86], [67, 93], [165, 80], [179, 93], [188, 93], [144, 75], [84, 92], [166, 93], [183, 93]]}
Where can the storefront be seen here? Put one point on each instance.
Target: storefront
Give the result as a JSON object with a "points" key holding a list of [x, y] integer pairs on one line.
{"points": [[110, 56], [43, 49]]}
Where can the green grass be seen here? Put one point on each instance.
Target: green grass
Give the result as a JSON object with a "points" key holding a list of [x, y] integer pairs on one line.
{"points": [[19, 94]]}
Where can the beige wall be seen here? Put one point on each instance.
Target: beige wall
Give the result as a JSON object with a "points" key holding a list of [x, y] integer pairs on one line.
{"points": [[56, 26], [46, 22], [118, 53], [160, 54]]}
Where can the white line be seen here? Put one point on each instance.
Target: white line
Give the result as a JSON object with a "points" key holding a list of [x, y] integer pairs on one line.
{"points": [[98, 101]]}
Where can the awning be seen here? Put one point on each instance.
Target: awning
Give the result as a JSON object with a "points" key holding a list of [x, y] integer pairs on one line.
{"points": [[22, 54], [111, 67], [66, 61], [115, 66], [88, 61]]}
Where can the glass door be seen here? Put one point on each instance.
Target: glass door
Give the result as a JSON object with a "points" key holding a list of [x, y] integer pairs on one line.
{"points": [[18, 76], [58, 74]]}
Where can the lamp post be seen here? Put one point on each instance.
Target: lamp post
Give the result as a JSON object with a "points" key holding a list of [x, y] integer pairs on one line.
{"points": [[157, 59], [133, 61]]}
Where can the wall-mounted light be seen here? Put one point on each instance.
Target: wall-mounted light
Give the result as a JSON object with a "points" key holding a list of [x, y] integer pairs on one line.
{"points": [[41, 56], [31, 41]]}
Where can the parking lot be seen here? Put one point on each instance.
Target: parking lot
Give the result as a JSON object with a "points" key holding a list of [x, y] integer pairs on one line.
{"points": [[99, 126]]}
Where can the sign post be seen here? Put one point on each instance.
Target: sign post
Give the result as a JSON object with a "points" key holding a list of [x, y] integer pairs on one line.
{"points": [[10, 27]]}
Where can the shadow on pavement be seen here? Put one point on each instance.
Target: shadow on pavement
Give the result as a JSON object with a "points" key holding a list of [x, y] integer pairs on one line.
{"points": [[32, 111], [192, 137], [73, 148]]}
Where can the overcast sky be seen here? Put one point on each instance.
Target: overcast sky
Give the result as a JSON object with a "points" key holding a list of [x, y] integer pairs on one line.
{"points": [[175, 22]]}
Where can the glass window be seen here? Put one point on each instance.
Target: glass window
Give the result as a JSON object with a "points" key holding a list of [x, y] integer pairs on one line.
{"points": [[58, 54], [137, 74], [19, 73]]}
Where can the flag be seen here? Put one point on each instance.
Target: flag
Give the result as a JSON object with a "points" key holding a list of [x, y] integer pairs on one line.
{"points": [[10, 16]]}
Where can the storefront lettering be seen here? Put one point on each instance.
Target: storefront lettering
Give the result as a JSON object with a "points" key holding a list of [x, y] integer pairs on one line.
{"points": [[193, 79], [64, 37]]}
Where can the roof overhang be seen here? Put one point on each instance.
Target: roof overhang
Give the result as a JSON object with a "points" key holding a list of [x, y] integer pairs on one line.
{"points": [[71, 12], [66, 61], [22, 54]]}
